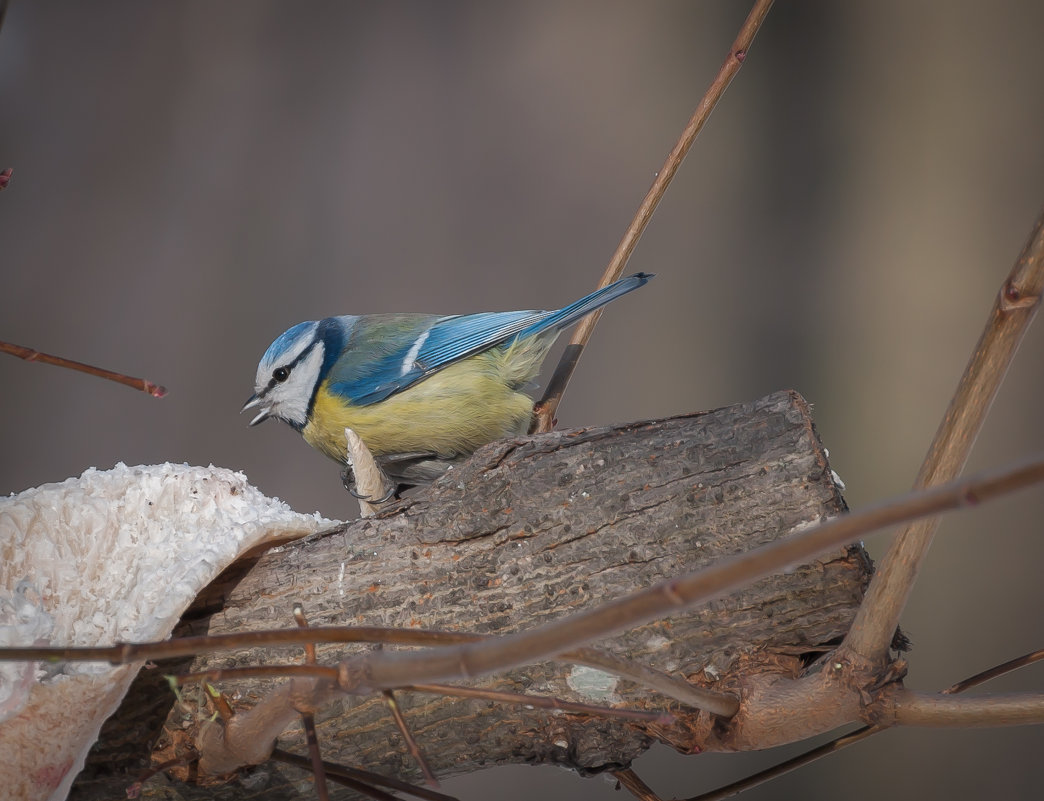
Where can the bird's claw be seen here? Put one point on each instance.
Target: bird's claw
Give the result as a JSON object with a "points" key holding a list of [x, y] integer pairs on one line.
{"points": [[348, 479]]}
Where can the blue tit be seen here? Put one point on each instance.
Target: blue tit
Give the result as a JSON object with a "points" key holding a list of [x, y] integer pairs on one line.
{"points": [[421, 390]]}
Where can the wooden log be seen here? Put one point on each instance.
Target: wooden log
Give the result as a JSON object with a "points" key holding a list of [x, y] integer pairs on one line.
{"points": [[532, 529]]}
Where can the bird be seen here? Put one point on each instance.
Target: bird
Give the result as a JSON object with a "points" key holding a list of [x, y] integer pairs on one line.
{"points": [[422, 391]]}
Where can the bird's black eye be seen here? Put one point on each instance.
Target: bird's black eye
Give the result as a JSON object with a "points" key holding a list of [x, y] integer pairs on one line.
{"points": [[280, 374]]}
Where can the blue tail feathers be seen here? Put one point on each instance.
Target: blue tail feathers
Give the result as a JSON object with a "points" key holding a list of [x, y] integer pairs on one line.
{"points": [[570, 314]]}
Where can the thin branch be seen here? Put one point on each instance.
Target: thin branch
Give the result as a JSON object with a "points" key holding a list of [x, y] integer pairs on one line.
{"points": [[308, 718], [407, 736], [544, 413], [343, 776], [1012, 312], [541, 702], [994, 672], [339, 773], [762, 776], [385, 670], [125, 653], [312, 738], [30, 355], [675, 687], [258, 672]]}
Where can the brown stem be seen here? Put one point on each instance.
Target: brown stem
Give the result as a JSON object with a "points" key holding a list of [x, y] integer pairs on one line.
{"points": [[671, 686], [544, 413], [407, 736], [994, 672], [360, 779], [312, 738], [540, 702], [31, 355], [1012, 312]]}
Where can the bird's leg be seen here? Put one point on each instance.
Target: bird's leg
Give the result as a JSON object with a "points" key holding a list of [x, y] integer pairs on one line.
{"points": [[363, 478]]}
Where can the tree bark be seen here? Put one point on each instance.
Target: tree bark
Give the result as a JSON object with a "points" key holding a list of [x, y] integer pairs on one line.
{"points": [[529, 530]]}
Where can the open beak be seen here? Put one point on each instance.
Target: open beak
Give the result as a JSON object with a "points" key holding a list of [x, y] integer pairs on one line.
{"points": [[253, 403]]}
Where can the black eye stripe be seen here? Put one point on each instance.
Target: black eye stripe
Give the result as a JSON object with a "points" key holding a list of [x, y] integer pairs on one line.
{"points": [[287, 368]]}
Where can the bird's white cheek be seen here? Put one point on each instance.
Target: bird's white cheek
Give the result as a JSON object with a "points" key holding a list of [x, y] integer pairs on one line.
{"points": [[290, 400]]}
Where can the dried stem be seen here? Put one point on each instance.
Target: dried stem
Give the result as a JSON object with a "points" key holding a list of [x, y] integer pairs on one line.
{"points": [[541, 702], [994, 672], [31, 355], [1012, 312], [312, 738], [361, 780], [762, 776], [125, 653], [545, 410], [675, 687], [407, 736], [308, 719]]}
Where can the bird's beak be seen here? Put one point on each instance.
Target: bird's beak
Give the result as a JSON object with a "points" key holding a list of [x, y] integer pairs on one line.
{"points": [[254, 402]]}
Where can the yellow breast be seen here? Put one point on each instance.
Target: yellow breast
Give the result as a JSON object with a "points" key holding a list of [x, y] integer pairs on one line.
{"points": [[452, 412]]}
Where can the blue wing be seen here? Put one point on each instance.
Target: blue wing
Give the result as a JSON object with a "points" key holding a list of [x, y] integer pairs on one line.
{"points": [[382, 354]]}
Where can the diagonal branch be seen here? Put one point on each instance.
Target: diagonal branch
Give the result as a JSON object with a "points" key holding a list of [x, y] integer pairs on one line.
{"points": [[994, 672], [1011, 315], [407, 736], [544, 412], [363, 781], [31, 355]]}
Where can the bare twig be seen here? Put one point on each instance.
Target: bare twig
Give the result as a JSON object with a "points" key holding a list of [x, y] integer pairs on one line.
{"points": [[994, 672], [308, 718], [675, 687], [541, 702], [31, 355], [312, 738], [545, 410], [1012, 312], [762, 776], [407, 736], [125, 653], [366, 778], [258, 672]]}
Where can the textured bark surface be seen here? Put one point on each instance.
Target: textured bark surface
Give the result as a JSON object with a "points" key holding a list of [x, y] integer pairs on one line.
{"points": [[533, 529]]}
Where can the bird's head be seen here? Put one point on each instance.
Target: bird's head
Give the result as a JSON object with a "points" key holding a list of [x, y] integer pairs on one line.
{"points": [[287, 376]]}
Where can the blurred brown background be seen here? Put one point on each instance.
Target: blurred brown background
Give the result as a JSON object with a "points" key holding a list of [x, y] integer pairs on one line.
{"points": [[192, 178]]}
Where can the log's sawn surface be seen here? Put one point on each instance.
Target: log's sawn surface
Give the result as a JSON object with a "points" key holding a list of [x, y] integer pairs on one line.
{"points": [[532, 529]]}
